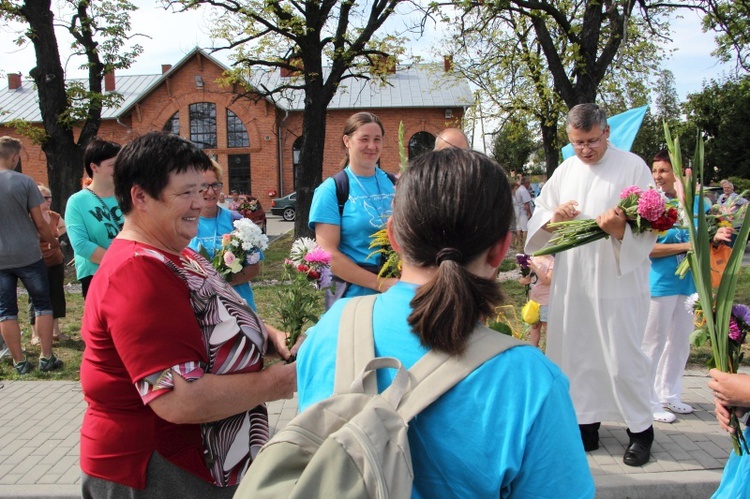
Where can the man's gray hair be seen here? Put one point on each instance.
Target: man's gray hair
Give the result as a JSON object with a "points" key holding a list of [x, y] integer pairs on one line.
{"points": [[585, 117], [726, 182]]}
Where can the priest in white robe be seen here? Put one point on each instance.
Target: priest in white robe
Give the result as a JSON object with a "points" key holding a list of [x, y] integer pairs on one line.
{"points": [[599, 298]]}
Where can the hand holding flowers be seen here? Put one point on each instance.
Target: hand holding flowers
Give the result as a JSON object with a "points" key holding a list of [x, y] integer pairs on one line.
{"points": [[648, 210], [239, 248]]}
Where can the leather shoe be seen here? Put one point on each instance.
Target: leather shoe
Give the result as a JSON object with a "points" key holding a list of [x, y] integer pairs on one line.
{"points": [[637, 454]]}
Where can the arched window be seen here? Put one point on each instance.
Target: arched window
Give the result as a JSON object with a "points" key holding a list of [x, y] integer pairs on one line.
{"points": [[296, 151], [420, 143], [173, 124], [203, 124], [236, 131]]}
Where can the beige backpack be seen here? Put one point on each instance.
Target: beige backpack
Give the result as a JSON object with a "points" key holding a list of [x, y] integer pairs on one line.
{"points": [[354, 444]]}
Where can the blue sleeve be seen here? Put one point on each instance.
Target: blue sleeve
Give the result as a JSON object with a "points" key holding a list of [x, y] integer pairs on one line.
{"points": [[554, 433], [325, 205]]}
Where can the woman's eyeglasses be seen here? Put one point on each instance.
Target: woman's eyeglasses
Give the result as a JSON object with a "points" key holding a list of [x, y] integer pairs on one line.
{"points": [[47, 198], [216, 186]]}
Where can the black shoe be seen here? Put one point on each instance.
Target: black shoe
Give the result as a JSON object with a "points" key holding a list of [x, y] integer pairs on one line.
{"points": [[637, 454], [639, 450], [590, 436]]}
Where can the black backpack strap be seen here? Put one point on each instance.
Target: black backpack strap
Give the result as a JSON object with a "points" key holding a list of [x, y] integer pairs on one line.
{"points": [[342, 189], [391, 177]]}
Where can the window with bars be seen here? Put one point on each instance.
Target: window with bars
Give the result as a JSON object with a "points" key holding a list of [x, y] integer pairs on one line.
{"points": [[203, 124], [236, 131], [173, 124]]}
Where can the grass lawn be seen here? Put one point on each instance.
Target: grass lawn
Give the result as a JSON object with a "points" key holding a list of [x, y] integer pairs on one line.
{"points": [[266, 288]]}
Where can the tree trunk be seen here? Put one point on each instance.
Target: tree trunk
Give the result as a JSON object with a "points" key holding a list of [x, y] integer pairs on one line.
{"points": [[64, 157], [310, 170], [551, 153]]}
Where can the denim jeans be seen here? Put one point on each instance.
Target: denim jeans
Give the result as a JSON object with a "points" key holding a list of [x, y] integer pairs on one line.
{"points": [[34, 278]]}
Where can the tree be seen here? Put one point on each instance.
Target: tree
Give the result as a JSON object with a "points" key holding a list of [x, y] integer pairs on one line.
{"points": [[99, 32], [650, 138], [269, 36], [513, 145], [539, 58], [730, 19], [721, 111]]}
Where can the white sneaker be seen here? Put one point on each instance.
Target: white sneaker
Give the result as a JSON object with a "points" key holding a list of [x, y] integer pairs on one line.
{"points": [[664, 417], [679, 407]]}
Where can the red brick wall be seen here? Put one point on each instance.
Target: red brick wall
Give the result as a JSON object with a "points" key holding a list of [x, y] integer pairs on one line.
{"points": [[261, 120]]}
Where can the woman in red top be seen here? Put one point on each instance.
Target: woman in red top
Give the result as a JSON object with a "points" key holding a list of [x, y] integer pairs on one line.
{"points": [[161, 329]]}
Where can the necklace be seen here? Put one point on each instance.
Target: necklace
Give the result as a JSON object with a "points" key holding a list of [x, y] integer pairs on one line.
{"points": [[117, 221], [376, 199]]}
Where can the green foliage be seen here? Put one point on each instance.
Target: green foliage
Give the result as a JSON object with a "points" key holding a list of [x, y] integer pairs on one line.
{"points": [[730, 19], [722, 111], [513, 145], [29, 130]]}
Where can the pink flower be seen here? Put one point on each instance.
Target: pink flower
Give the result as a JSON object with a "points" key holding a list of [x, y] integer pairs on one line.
{"points": [[229, 258], [734, 330], [225, 239], [318, 255], [628, 191], [650, 205]]}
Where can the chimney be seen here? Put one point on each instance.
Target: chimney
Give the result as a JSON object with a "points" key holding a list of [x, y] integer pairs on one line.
{"points": [[165, 68], [14, 81], [109, 81], [448, 63]]}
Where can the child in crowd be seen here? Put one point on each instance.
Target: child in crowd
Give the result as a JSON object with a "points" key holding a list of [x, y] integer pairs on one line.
{"points": [[540, 280]]}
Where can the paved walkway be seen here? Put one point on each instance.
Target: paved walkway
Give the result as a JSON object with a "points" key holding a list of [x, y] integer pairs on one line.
{"points": [[40, 420]]}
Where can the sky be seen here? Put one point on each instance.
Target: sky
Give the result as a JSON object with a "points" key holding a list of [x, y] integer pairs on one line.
{"points": [[172, 35]]}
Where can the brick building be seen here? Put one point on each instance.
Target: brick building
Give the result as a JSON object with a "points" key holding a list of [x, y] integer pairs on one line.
{"points": [[255, 140]]}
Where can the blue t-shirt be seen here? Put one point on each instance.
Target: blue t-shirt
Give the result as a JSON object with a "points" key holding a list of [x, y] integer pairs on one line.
{"points": [[210, 232], [662, 278], [365, 213], [508, 429]]}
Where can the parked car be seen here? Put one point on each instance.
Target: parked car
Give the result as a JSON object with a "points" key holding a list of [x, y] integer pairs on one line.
{"points": [[286, 207], [252, 209]]}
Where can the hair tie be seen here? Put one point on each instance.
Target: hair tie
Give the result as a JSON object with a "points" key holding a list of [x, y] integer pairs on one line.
{"points": [[452, 254]]}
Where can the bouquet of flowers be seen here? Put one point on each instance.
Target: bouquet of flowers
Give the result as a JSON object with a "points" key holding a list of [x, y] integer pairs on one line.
{"points": [[644, 211], [716, 307], [240, 247], [308, 269]]}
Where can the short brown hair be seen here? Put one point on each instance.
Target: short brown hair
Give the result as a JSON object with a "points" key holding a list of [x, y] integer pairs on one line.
{"points": [[9, 146]]}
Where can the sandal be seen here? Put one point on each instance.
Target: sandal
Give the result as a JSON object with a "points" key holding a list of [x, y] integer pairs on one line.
{"points": [[664, 417], [679, 407]]}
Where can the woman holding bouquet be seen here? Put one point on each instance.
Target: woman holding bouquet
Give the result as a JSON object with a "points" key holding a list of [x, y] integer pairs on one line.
{"points": [[345, 230], [213, 224], [667, 338], [450, 254], [162, 329]]}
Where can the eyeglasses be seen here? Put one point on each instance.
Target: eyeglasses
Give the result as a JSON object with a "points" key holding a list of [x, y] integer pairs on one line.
{"points": [[591, 144], [216, 186], [47, 198]]}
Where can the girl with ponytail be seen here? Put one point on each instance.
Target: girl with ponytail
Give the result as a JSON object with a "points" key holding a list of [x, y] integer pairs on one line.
{"points": [[509, 427]]}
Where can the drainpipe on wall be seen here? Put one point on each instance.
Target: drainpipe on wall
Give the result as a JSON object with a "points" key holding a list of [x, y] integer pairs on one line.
{"points": [[281, 155]]}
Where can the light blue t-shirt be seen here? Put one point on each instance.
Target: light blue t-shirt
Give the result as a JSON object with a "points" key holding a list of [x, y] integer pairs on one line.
{"points": [[210, 232], [662, 278], [91, 222], [506, 430], [366, 212]]}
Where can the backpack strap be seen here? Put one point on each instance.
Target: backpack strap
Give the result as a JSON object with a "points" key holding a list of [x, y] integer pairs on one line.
{"points": [[437, 372], [341, 180], [356, 346]]}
